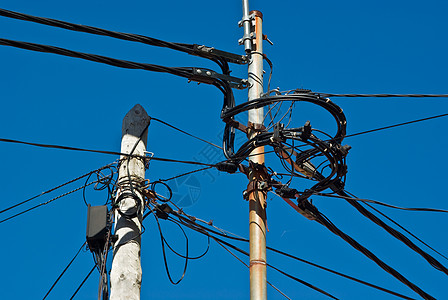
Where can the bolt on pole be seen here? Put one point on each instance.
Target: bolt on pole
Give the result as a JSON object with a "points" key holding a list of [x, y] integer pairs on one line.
{"points": [[257, 198], [126, 272]]}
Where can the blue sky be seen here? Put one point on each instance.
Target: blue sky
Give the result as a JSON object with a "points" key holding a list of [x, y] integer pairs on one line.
{"points": [[327, 46]]}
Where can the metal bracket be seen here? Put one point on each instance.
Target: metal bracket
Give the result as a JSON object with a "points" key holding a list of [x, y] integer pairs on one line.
{"points": [[212, 52], [247, 35], [207, 76]]}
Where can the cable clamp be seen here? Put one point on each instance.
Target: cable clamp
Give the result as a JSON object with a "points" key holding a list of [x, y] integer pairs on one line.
{"points": [[203, 75], [214, 53]]}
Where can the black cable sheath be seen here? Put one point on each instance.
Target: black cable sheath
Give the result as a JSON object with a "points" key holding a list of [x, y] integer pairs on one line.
{"points": [[82, 283], [193, 49], [320, 218], [183, 72], [385, 95], [103, 152], [198, 227], [63, 272], [398, 235]]}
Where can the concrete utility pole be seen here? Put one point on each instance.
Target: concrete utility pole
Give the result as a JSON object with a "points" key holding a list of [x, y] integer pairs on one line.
{"points": [[257, 198], [126, 272]]}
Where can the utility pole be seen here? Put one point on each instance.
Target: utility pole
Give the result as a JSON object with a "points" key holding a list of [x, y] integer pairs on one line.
{"points": [[257, 199], [126, 272]]}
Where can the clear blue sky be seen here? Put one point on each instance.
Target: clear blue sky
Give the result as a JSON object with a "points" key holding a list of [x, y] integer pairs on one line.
{"points": [[327, 46]]}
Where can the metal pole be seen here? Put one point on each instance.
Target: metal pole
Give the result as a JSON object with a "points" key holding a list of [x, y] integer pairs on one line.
{"points": [[126, 272], [246, 26], [257, 198]]}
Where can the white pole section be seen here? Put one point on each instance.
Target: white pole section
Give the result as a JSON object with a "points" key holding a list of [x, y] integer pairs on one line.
{"points": [[126, 272]]}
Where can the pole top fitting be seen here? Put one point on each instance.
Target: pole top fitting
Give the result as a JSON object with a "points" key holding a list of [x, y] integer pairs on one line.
{"points": [[256, 13]]}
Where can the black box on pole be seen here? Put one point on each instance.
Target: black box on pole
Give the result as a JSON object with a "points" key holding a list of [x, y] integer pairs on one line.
{"points": [[97, 227]]}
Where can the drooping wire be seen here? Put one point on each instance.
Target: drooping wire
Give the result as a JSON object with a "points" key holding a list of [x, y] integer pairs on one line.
{"points": [[63, 272], [103, 182], [163, 241]]}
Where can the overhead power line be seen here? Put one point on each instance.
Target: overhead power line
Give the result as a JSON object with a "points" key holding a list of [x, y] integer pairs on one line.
{"points": [[55, 188], [199, 50], [63, 272], [385, 95], [382, 203], [190, 222], [104, 152], [189, 73], [184, 132], [47, 202], [396, 125]]}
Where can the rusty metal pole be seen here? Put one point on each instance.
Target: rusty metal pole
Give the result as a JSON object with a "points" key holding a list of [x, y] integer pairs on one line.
{"points": [[257, 198]]}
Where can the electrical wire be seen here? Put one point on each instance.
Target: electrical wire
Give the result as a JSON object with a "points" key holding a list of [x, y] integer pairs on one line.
{"points": [[82, 283], [185, 174], [189, 222], [45, 203], [269, 265], [323, 220], [55, 188], [184, 132], [241, 261], [220, 57], [382, 203], [398, 235], [385, 95], [104, 152], [406, 230], [396, 125], [63, 272], [179, 71]]}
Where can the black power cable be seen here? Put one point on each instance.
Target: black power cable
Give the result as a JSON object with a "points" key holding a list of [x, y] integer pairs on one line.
{"points": [[398, 235], [323, 220], [57, 187], [63, 272], [420, 209], [185, 72], [247, 254], [220, 57], [82, 283], [385, 95], [104, 152], [188, 221], [396, 125], [47, 202]]}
